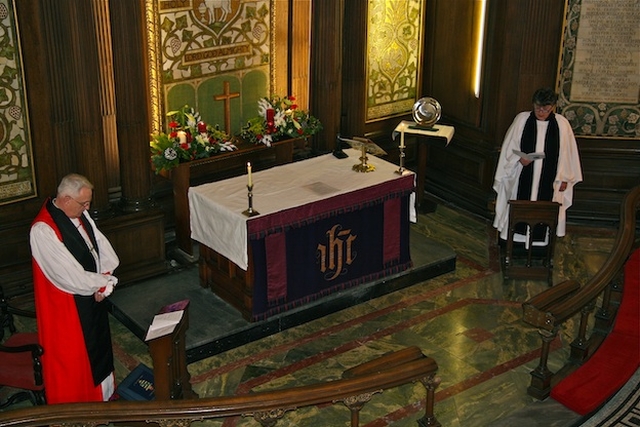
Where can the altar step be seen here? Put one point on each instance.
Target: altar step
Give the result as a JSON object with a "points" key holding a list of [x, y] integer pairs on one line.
{"points": [[215, 326]]}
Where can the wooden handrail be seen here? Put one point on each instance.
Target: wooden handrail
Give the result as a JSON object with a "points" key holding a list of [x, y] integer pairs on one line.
{"points": [[266, 407], [549, 309], [555, 312]]}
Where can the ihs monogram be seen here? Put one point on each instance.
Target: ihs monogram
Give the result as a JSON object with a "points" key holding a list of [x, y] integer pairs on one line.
{"points": [[338, 253]]}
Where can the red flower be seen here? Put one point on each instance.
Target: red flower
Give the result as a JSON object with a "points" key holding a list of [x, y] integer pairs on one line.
{"points": [[292, 98], [202, 127], [294, 106], [300, 131], [174, 125], [184, 146], [173, 134]]}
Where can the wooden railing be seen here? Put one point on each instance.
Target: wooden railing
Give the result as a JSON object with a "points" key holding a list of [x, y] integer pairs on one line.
{"points": [[550, 309], [354, 390]]}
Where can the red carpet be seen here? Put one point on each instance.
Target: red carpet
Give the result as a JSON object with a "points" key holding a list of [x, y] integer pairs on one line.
{"points": [[617, 358]]}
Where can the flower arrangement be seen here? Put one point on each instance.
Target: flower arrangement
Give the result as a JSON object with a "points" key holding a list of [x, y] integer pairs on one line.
{"points": [[279, 118], [189, 138]]}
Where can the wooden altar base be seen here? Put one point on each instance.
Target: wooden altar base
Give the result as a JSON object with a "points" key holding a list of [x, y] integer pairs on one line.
{"points": [[215, 326]]}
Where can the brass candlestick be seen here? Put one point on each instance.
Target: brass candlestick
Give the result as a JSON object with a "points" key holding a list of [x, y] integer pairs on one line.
{"points": [[250, 211], [400, 171], [363, 166]]}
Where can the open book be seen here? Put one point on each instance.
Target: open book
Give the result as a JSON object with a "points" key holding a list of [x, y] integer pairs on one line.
{"points": [[529, 156], [166, 320]]}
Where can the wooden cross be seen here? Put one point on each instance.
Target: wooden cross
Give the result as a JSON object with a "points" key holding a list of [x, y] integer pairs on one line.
{"points": [[227, 97]]}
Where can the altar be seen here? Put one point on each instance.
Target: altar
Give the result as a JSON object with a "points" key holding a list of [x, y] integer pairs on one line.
{"points": [[322, 227]]}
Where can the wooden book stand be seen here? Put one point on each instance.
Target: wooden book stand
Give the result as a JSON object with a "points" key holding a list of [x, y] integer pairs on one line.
{"points": [[524, 260]]}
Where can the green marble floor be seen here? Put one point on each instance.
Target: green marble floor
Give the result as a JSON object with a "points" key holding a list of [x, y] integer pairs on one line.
{"points": [[469, 321]]}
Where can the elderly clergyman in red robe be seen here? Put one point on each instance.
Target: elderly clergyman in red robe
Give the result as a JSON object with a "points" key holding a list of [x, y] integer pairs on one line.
{"points": [[73, 264]]}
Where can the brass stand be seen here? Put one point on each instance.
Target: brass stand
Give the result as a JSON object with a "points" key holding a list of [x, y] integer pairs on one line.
{"points": [[250, 211], [363, 166], [401, 170]]}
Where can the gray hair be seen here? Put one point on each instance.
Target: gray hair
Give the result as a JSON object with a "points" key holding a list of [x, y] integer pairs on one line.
{"points": [[72, 184]]}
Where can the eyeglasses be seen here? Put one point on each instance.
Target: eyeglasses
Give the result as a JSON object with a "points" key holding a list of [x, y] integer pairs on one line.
{"points": [[83, 204], [543, 108]]}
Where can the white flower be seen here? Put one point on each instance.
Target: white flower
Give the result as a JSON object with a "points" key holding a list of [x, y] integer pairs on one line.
{"points": [[267, 139], [192, 118], [279, 120], [170, 154], [263, 106]]}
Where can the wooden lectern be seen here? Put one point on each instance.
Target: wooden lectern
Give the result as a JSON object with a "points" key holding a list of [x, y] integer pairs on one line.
{"points": [[533, 214], [168, 352]]}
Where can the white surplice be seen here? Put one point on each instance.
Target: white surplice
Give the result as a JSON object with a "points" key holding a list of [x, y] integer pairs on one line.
{"points": [[509, 168]]}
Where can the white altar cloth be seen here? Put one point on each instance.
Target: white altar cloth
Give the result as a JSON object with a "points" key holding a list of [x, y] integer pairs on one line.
{"points": [[216, 208]]}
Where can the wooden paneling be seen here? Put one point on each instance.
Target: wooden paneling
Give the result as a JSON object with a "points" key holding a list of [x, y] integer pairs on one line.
{"points": [[354, 77], [62, 68], [610, 169], [452, 28], [132, 102], [139, 245], [522, 45], [326, 69]]}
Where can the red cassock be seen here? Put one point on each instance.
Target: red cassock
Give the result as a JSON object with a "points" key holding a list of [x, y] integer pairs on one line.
{"points": [[72, 330]]}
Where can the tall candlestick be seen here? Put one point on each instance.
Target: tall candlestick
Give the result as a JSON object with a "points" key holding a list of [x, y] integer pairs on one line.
{"points": [[402, 138], [250, 184]]}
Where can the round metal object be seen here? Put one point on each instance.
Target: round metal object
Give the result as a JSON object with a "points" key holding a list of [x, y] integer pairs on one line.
{"points": [[426, 112]]}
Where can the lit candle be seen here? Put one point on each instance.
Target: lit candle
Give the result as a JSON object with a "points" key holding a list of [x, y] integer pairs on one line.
{"points": [[249, 174], [182, 136]]}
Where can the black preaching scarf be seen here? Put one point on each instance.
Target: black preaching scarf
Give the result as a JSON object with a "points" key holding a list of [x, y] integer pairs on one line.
{"points": [[549, 166], [93, 316], [550, 162]]}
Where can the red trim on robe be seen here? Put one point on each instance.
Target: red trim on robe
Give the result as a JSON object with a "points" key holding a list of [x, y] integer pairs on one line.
{"points": [[65, 362]]}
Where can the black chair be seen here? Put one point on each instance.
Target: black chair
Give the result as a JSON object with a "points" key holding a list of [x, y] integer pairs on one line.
{"points": [[20, 364]]}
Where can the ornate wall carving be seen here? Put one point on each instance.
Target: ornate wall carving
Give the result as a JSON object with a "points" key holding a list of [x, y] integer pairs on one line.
{"points": [[17, 174], [394, 55], [599, 76], [201, 50]]}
